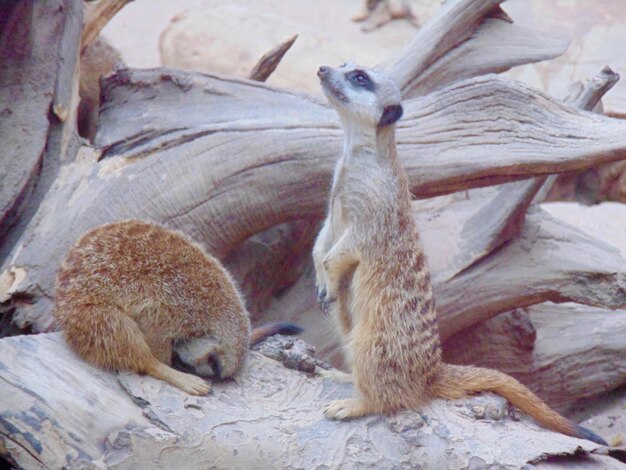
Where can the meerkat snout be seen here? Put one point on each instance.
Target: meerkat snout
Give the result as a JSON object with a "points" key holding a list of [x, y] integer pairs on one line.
{"points": [[322, 71]]}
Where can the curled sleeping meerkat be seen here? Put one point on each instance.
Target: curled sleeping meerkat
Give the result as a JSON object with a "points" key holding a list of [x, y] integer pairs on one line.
{"points": [[371, 271], [129, 292]]}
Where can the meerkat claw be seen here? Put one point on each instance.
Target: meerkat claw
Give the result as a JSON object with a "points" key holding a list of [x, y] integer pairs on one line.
{"points": [[321, 293], [324, 300]]}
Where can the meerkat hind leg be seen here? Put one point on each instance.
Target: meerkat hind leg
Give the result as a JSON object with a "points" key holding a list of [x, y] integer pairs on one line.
{"points": [[160, 347], [347, 409], [189, 383]]}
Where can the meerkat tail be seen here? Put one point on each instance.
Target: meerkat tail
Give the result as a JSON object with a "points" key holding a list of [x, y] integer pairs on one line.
{"points": [[273, 328], [455, 381]]}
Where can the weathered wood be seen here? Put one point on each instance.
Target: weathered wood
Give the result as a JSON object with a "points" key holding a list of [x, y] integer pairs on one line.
{"points": [[35, 78], [270, 60], [270, 261], [554, 349], [585, 95], [144, 138], [465, 39], [499, 220], [97, 15], [605, 182], [183, 172], [553, 261], [224, 159], [270, 415]]}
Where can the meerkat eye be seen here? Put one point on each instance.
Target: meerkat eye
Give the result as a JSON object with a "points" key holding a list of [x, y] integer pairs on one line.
{"points": [[360, 79], [213, 360]]}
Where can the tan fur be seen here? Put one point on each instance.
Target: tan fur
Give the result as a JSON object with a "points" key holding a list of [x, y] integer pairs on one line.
{"points": [[129, 290], [372, 275]]}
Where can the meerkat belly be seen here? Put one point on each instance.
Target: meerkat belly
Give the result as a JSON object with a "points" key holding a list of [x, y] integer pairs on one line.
{"points": [[394, 343]]}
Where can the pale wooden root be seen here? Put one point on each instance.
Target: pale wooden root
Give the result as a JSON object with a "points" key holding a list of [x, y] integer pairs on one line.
{"points": [[97, 15], [270, 60]]}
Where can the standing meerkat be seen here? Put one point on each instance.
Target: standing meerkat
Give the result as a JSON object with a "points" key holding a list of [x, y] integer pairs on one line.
{"points": [[131, 291], [371, 271]]}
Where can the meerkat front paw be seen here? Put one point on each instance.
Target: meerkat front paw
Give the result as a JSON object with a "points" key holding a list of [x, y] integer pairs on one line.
{"points": [[345, 409], [324, 300], [191, 384], [196, 386]]}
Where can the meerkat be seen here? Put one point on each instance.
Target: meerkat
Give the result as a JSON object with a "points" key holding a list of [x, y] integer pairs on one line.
{"points": [[371, 271], [377, 13], [130, 292]]}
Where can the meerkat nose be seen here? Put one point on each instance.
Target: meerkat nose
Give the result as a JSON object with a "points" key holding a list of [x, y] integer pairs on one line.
{"points": [[322, 72]]}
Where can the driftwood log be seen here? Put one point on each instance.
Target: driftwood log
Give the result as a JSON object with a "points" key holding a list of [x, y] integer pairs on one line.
{"points": [[244, 168], [269, 418], [179, 168]]}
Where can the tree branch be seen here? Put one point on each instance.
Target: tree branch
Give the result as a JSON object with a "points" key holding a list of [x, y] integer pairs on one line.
{"points": [[97, 15], [464, 39], [270, 60]]}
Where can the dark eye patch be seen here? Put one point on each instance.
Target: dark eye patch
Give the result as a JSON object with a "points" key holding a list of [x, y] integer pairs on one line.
{"points": [[214, 361], [361, 79]]}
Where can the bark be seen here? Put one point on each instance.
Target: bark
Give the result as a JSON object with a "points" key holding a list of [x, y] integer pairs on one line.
{"points": [[100, 419]]}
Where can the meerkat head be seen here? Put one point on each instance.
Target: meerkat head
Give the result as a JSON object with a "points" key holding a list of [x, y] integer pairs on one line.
{"points": [[362, 96], [207, 357]]}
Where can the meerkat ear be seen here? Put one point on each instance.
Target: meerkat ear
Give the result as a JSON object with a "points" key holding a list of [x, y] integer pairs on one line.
{"points": [[391, 114]]}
